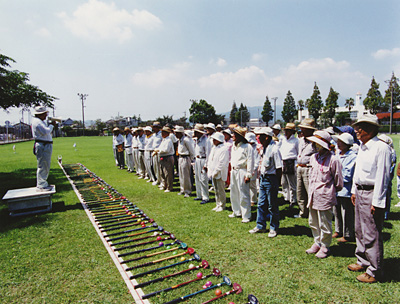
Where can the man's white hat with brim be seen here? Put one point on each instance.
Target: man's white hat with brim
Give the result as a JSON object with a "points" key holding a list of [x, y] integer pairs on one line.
{"points": [[368, 118], [39, 110], [218, 136]]}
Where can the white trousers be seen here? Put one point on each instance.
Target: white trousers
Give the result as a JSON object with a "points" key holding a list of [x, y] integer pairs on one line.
{"points": [[253, 189], [157, 168], [220, 195], [129, 158], [240, 193], [201, 179], [184, 164], [43, 156], [321, 226], [289, 187], [148, 164], [141, 167]]}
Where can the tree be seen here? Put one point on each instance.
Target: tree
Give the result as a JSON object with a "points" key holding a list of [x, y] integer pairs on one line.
{"points": [[99, 125], [395, 88], [242, 115], [331, 105], [289, 111], [373, 101], [267, 113], [15, 91], [314, 104], [232, 116], [349, 104], [165, 119], [203, 112]]}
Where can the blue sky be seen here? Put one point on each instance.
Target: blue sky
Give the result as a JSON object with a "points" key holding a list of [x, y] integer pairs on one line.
{"points": [[149, 58]]}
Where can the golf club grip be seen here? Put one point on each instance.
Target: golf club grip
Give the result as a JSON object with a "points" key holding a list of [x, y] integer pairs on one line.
{"points": [[135, 245], [218, 297], [127, 231], [135, 234], [152, 254], [120, 227], [158, 269], [195, 293], [119, 224]]}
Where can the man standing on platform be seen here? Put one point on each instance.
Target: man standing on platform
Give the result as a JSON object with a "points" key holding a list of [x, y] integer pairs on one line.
{"points": [[370, 183], [43, 147]]}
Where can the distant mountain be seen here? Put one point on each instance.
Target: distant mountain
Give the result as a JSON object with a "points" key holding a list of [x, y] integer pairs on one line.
{"points": [[255, 112]]}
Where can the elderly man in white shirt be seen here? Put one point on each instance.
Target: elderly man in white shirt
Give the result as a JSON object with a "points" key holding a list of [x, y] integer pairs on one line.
{"points": [[148, 151], [118, 144], [141, 143], [166, 153], [370, 183], [156, 158], [217, 165], [186, 154], [128, 149], [135, 150], [242, 162], [43, 148], [289, 150], [252, 140], [202, 150]]}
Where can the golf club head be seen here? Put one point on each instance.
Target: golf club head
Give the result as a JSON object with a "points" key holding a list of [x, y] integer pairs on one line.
{"points": [[190, 251], [160, 228], [196, 257], [237, 288], [204, 264], [252, 299], [150, 220], [227, 281], [216, 272], [154, 225], [183, 245]]}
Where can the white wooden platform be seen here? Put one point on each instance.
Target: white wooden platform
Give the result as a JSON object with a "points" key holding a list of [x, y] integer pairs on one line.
{"points": [[27, 201]]}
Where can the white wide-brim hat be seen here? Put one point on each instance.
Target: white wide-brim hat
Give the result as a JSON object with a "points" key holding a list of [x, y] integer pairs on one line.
{"points": [[368, 118], [251, 137], [39, 110], [265, 130], [347, 138], [179, 129], [148, 128], [277, 127], [218, 136], [322, 138]]}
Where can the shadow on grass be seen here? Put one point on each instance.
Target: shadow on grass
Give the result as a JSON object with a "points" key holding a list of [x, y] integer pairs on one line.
{"points": [[296, 230], [25, 178], [395, 216], [343, 250], [391, 270]]}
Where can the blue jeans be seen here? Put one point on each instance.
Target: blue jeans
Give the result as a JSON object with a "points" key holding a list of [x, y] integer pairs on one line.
{"points": [[268, 202]]}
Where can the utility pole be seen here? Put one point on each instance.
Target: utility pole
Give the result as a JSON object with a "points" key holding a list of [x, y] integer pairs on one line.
{"points": [[391, 102], [83, 98], [274, 99]]}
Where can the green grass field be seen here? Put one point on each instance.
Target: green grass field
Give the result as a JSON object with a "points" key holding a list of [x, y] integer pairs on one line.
{"points": [[58, 257]]}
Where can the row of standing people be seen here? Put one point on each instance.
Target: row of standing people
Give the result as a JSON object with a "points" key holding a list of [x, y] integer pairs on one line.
{"points": [[312, 176]]}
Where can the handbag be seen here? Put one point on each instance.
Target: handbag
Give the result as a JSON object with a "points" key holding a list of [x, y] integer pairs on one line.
{"points": [[288, 166]]}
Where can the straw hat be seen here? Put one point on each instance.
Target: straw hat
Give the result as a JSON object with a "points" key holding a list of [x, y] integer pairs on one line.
{"points": [[322, 138], [277, 127], [157, 124], [116, 129], [179, 129], [127, 129], [218, 136], [199, 128], [368, 118], [290, 126], [39, 110], [308, 123], [265, 130], [241, 131], [166, 129], [251, 137], [346, 138]]}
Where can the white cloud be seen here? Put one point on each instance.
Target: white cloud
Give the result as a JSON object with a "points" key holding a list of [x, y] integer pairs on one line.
{"points": [[258, 56], [99, 20], [221, 62], [157, 78], [43, 32], [384, 53]]}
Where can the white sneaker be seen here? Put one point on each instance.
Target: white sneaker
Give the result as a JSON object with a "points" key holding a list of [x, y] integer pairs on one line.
{"points": [[140, 177], [146, 177], [180, 193], [154, 183], [234, 215], [149, 181], [219, 209], [215, 208], [166, 191], [256, 230], [272, 233], [245, 220], [186, 195]]}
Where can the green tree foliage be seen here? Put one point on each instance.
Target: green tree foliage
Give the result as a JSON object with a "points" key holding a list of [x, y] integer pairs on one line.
{"points": [[395, 88], [232, 116], [374, 101], [349, 104], [330, 106], [289, 111], [300, 106], [99, 125], [203, 112], [267, 112], [165, 119], [15, 91], [314, 104], [242, 115]]}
